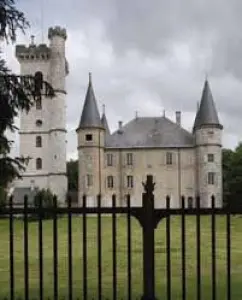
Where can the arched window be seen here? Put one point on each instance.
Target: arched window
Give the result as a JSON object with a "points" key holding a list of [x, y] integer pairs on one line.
{"points": [[38, 81], [38, 141], [38, 163], [38, 103]]}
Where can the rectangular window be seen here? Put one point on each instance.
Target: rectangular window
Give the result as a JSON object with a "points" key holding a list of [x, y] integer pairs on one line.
{"points": [[109, 159], [88, 137], [130, 181], [169, 158], [211, 178], [110, 181], [210, 157], [129, 159], [89, 180]]}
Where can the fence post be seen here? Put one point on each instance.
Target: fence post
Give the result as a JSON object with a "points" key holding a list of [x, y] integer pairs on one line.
{"points": [[148, 240]]}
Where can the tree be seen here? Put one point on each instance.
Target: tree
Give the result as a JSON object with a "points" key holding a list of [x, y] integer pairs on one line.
{"points": [[72, 175], [16, 92], [227, 155]]}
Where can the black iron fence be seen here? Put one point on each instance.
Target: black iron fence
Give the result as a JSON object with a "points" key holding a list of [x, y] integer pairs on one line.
{"points": [[148, 218]]}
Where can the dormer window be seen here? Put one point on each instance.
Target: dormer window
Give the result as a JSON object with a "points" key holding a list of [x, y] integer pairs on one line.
{"points": [[88, 137]]}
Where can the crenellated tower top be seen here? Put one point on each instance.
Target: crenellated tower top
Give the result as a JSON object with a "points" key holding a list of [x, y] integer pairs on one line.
{"points": [[57, 31]]}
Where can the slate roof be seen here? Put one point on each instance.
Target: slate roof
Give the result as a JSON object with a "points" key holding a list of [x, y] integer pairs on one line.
{"points": [[105, 124], [207, 113], [150, 132], [90, 115]]}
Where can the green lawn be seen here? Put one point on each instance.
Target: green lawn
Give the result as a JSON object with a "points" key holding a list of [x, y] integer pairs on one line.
{"points": [[236, 226]]}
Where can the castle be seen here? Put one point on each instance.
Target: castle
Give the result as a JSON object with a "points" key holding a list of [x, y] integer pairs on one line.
{"points": [[43, 128], [182, 162]]}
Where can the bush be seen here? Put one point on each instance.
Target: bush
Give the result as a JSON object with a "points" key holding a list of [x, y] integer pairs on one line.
{"points": [[47, 198]]}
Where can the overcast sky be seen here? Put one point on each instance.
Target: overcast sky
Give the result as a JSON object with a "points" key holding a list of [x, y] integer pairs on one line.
{"points": [[146, 56]]}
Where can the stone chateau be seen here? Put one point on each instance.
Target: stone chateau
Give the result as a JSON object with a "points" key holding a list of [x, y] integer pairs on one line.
{"points": [[182, 162]]}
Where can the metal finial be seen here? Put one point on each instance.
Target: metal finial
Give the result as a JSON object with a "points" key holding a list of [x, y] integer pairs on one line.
{"points": [[104, 109], [136, 114], [164, 113]]}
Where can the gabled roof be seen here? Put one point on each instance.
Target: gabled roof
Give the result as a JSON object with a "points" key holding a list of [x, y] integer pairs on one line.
{"points": [[90, 115], [150, 132], [207, 113]]}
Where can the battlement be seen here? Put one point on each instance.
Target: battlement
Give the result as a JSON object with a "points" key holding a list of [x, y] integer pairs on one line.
{"points": [[33, 52], [57, 31]]}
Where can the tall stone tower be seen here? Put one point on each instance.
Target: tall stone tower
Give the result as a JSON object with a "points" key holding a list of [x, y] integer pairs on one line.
{"points": [[91, 137], [43, 129], [208, 136]]}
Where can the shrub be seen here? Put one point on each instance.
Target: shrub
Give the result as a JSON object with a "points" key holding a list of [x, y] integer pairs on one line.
{"points": [[47, 202]]}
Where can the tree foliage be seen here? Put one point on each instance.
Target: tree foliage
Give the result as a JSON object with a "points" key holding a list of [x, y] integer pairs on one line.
{"points": [[44, 198], [72, 175]]}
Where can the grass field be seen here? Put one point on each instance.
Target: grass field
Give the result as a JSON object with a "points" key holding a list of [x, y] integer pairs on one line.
{"points": [[236, 229]]}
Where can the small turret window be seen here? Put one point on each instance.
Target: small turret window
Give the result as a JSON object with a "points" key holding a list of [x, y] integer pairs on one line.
{"points": [[210, 157], [88, 137], [211, 178]]}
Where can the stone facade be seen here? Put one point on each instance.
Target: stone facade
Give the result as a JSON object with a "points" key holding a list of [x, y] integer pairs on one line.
{"points": [[43, 128], [116, 164]]}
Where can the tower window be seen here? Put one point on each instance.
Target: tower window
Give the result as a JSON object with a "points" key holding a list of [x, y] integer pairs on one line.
{"points": [[38, 103], [89, 180], [210, 157], [110, 181], [38, 141], [38, 163], [88, 137], [109, 159], [39, 123], [169, 158], [130, 181], [129, 159], [38, 81], [211, 178]]}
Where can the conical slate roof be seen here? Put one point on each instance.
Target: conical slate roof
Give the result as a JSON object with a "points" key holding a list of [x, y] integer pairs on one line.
{"points": [[90, 115], [105, 124], [207, 113]]}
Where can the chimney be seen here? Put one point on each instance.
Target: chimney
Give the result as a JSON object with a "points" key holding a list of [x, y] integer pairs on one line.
{"points": [[120, 127], [178, 118]]}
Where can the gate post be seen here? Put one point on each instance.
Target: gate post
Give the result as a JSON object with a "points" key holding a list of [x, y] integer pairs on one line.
{"points": [[148, 240]]}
